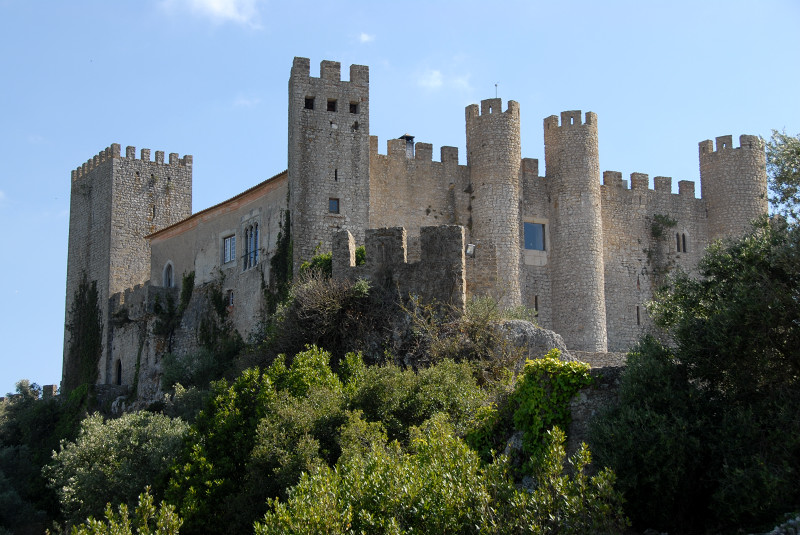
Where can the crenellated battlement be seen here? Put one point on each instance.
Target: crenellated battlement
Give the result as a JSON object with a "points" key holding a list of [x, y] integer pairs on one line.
{"points": [[114, 152], [641, 182], [438, 277], [330, 71], [570, 119], [423, 152], [725, 143], [492, 107]]}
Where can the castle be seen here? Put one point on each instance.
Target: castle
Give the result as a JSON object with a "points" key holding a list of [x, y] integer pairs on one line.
{"points": [[585, 255]]}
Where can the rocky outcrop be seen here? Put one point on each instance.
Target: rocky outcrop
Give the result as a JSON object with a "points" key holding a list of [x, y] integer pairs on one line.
{"points": [[534, 341]]}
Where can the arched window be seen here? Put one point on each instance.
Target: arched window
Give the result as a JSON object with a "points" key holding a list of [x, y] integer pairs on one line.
{"points": [[684, 242], [250, 246], [118, 373], [678, 241], [169, 280]]}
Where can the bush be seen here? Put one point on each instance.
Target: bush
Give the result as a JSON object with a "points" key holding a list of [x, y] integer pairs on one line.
{"points": [[146, 520], [439, 486], [113, 461]]}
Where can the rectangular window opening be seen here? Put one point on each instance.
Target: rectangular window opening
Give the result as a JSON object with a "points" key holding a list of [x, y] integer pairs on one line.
{"points": [[228, 249], [536, 303], [333, 206], [354, 107], [309, 103], [331, 104], [534, 236]]}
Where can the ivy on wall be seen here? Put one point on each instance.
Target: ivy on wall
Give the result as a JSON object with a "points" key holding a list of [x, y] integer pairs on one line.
{"points": [[86, 331]]}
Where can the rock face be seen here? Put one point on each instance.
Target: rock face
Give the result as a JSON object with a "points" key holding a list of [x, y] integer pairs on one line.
{"points": [[533, 340]]}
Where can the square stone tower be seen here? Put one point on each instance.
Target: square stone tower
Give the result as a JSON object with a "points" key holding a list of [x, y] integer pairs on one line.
{"points": [[115, 202], [328, 155]]}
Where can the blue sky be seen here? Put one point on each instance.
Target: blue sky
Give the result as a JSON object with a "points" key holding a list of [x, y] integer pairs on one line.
{"points": [[209, 78]]}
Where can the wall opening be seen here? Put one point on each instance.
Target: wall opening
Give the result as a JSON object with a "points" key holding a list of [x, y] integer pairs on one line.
{"points": [[118, 373], [333, 206], [228, 249], [683, 238], [536, 303], [331, 104], [309, 103], [169, 279], [534, 236], [638, 316], [335, 175], [354, 107]]}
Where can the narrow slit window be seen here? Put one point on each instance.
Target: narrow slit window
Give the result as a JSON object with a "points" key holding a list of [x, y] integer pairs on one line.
{"points": [[683, 237], [331, 104], [638, 316], [335, 174], [536, 303], [333, 206], [309, 103], [678, 241]]}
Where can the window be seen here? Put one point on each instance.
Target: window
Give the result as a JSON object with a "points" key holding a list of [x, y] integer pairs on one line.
{"points": [[680, 242], [118, 373], [534, 236], [229, 298], [168, 278], [684, 242], [331, 104], [333, 206], [309, 103], [354, 107], [228, 249], [250, 247]]}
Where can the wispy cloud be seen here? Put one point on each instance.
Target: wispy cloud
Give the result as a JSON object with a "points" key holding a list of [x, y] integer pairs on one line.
{"points": [[430, 79], [245, 102], [366, 38], [244, 12], [2, 196]]}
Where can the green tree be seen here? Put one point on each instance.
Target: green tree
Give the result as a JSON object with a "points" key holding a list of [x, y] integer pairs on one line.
{"points": [[113, 461], [706, 435], [85, 328], [783, 166]]}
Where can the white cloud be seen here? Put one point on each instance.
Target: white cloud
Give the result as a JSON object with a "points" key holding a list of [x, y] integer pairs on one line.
{"points": [[431, 79], [366, 38], [244, 102], [243, 12]]}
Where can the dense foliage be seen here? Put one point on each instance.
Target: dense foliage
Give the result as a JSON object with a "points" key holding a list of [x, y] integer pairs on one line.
{"points": [[707, 433], [439, 485], [783, 165], [85, 329], [113, 461], [147, 520]]}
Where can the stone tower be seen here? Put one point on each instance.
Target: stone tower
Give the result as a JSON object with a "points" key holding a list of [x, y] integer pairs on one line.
{"points": [[115, 202], [493, 157], [577, 271], [733, 183], [328, 155]]}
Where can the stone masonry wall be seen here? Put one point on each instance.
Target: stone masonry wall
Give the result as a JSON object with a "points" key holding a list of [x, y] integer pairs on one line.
{"points": [[438, 277], [328, 155], [493, 157], [576, 259], [116, 201], [636, 261], [733, 183]]}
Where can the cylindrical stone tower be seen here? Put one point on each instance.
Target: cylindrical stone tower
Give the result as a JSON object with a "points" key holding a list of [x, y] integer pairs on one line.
{"points": [[733, 183], [577, 271], [493, 157]]}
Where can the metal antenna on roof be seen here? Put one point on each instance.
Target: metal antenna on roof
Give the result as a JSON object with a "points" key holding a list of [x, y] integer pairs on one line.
{"points": [[495, 90]]}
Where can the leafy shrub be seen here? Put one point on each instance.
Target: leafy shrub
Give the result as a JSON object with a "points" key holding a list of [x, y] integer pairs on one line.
{"points": [[208, 475], [439, 486], [308, 369], [113, 461], [146, 520], [323, 262], [191, 369], [400, 398]]}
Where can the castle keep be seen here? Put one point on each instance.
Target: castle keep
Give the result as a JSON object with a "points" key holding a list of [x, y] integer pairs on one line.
{"points": [[585, 250]]}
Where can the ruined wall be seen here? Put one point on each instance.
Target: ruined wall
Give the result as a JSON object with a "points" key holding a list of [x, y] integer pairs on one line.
{"points": [[115, 202], [328, 155], [439, 275]]}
